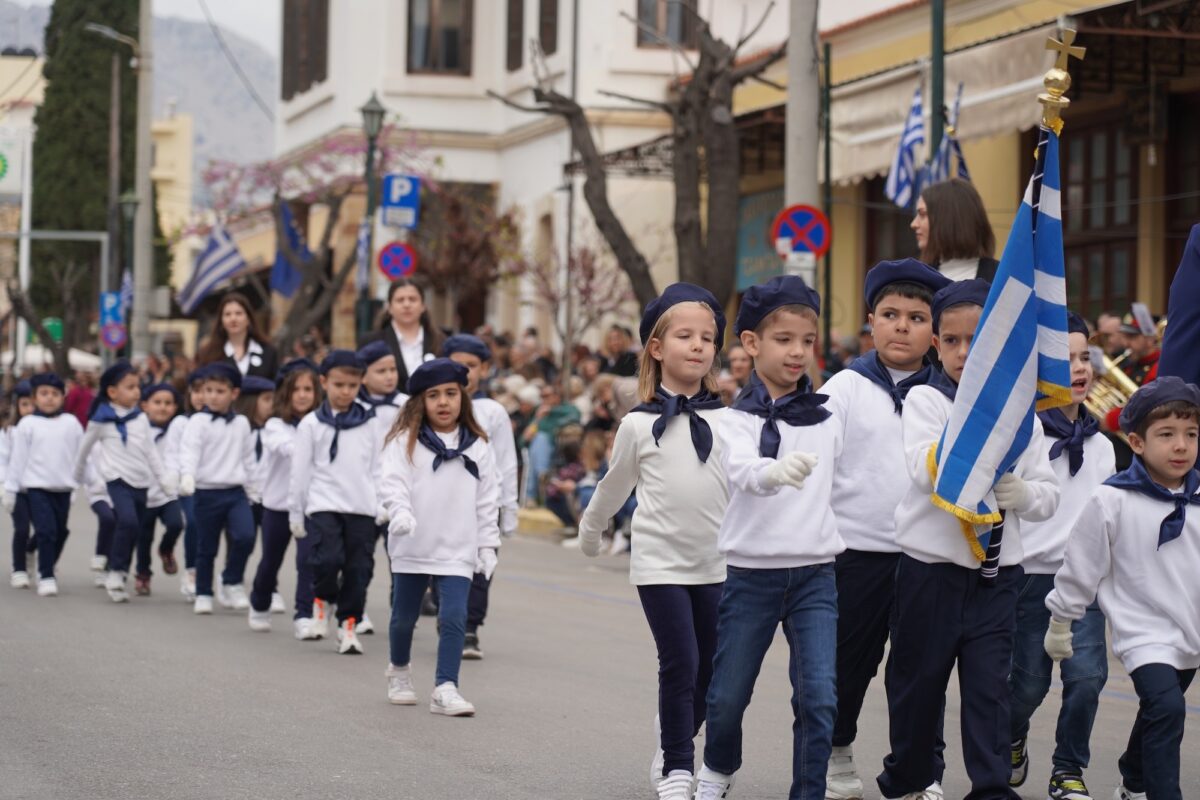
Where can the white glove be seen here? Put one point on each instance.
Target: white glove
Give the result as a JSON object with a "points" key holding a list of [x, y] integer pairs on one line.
{"points": [[169, 484], [254, 495], [187, 486], [789, 470], [1011, 491], [1058, 640], [508, 521], [485, 561], [590, 541], [9, 502], [381, 517], [298, 529], [402, 525]]}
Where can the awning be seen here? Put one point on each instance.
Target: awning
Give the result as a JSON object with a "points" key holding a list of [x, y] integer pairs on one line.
{"points": [[1001, 80]]}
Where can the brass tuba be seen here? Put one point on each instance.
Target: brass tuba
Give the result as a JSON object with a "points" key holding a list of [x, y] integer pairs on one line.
{"points": [[1111, 389]]}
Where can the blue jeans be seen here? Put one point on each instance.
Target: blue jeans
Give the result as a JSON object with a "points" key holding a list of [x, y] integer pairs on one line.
{"points": [[1150, 763], [541, 455], [754, 603], [217, 509], [48, 511], [1083, 674], [407, 591]]}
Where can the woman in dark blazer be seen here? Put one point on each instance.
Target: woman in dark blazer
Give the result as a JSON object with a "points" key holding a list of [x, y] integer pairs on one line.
{"points": [[407, 329], [236, 339]]}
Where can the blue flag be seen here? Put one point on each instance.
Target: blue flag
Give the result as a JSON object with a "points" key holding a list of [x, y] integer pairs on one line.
{"points": [[285, 278], [903, 180]]}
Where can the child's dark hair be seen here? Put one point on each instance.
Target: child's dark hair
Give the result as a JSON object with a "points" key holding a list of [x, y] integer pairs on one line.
{"points": [[285, 390], [808, 312], [412, 417], [246, 405], [1176, 408], [912, 291]]}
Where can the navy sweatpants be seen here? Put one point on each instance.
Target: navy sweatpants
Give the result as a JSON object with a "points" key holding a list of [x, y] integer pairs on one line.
{"points": [[218, 509], [1150, 763], [342, 559], [275, 537], [172, 519], [48, 510], [106, 523], [20, 540], [129, 505]]}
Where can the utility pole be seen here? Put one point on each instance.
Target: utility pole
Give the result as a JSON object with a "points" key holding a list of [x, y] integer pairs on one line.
{"points": [[143, 228], [802, 131], [937, 75], [114, 164]]}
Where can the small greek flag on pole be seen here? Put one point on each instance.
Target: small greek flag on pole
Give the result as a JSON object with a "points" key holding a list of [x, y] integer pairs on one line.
{"points": [[362, 274], [904, 177], [220, 261], [1018, 361]]}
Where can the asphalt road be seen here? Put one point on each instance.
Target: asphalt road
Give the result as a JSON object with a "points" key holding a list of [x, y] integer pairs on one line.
{"points": [[145, 700]]}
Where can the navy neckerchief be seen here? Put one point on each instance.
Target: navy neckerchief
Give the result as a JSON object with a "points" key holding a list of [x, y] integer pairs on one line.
{"points": [[940, 381], [480, 395], [39, 413], [227, 416], [1138, 480], [797, 408], [871, 367], [441, 453], [257, 442], [672, 405], [162, 429], [106, 413], [388, 399], [350, 418], [1070, 435]]}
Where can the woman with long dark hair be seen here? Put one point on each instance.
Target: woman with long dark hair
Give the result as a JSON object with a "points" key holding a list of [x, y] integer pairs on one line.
{"points": [[953, 231], [237, 339], [407, 328]]}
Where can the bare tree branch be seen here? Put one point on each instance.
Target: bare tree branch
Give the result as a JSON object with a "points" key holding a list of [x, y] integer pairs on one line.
{"points": [[779, 87], [658, 37], [661, 106], [758, 66], [758, 26], [23, 308], [519, 107]]}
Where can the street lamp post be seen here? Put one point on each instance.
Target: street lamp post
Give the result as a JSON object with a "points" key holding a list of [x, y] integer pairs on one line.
{"points": [[129, 208], [372, 115]]}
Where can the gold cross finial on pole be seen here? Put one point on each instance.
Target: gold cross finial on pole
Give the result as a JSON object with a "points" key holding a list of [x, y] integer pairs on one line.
{"points": [[1058, 80]]}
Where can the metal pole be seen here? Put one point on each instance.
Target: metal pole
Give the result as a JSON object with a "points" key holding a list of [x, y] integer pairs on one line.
{"points": [[23, 245], [937, 75], [803, 105], [826, 107], [114, 167], [364, 296], [568, 311], [143, 229]]}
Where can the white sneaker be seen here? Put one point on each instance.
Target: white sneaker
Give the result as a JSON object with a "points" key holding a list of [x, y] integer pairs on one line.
{"points": [[347, 640], [935, 791], [364, 626], [233, 596], [187, 584], [713, 785], [277, 606], [203, 604], [927, 794], [19, 580], [446, 700], [114, 584], [302, 628], [1124, 794], [618, 545], [47, 587], [99, 563], [320, 619], [260, 621], [400, 688], [656, 763], [842, 781], [676, 786]]}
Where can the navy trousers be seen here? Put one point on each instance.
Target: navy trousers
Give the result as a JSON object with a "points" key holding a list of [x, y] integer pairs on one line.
{"points": [[129, 505], [275, 537], [172, 519], [48, 510], [944, 615], [342, 559], [20, 540], [190, 531], [106, 523], [1150, 763], [218, 509]]}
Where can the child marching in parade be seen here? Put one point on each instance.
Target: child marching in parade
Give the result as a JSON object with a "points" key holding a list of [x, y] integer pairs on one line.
{"points": [[256, 402], [160, 403], [22, 406]]}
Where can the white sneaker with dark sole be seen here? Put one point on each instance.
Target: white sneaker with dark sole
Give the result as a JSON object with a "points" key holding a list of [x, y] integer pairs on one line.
{"points": [[277, 604], [47, 587], [1124, 794], [364, 627], [347, 640], [114, 584], [447, 701], [19, 580], [711, 785], [203, 604], [400, 687], [260, 621], [302, 629], [676, 786]]}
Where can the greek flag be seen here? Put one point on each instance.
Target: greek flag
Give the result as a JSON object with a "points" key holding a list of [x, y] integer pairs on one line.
{"points": [[285, 278], [126, 293], [363, 265], [903, 180], [220, 261], [949, 149], [1018, 360]]}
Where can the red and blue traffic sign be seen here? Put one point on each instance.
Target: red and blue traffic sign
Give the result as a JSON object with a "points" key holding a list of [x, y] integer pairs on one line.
{"points": [[113, 335], [805, 227], [397, 260]]}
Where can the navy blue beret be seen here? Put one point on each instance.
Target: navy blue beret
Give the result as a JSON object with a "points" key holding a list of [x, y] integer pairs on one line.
{"points": [[435, 372], [197, 375], [1157, 392], [673, 295], [223, 371], [254, 384], [113, 375], [373, 351], [906, 270], [780, 291], [973, 291], [22, 389], [1077, 324], [47, 379], [294, 365], [154, 388], [342, 359], [466, 343]]}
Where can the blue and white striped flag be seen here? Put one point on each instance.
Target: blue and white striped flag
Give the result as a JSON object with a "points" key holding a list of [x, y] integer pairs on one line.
{"points": [[220, 261], [1018, 360], [903, 180], [949, 149], [126, 293], [363, 265]]}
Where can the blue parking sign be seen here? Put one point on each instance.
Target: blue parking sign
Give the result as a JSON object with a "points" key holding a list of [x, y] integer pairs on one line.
{"points": [[401, 200], [110, 309]]}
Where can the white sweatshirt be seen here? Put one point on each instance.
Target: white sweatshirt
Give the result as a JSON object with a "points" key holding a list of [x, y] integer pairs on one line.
{"points": [[135, 460], [44, 452], [869, 480], [456, 514], [1149, 594], [258, 473], [168, 450], [345, 485], [1046, 541], [680, 500], [929, 534], [94, 485], [5, 451], [495, 423], [218, 454], [781, 527], [278, 439]]}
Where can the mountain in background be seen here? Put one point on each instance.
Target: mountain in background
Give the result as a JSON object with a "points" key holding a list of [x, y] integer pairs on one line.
{"points": [[192, 73]]}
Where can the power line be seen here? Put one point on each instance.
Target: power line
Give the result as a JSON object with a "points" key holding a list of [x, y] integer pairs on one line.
{"points": [[233, 62], [17, 79]]}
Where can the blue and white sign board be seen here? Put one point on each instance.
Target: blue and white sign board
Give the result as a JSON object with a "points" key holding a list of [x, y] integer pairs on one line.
{"points": [[110, 308], [401, 201]]}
